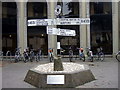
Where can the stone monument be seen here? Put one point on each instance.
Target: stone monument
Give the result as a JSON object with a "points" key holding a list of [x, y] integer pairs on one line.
{"points": [[58, 74]]}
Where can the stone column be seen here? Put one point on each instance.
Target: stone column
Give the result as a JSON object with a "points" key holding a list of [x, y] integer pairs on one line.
{"points": [[88, 25], [83, 28], [0, 26], [21, 26], [52, 39], [115, 27]]}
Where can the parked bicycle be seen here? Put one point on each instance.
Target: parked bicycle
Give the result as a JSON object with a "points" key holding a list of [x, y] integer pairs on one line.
{"points": [[1, 55], [62, 52], [31, 55], [8, 55], [50, 52], [26, 55], [39, 55], [70, 55], [89, 54], [118, 56], [18, 55], [100, 55], [81, 54]]}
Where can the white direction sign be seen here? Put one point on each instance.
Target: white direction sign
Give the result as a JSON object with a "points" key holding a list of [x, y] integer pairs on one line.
{"points": [[40, 22], [61, 32], [58, 21], [72, 21], [85, 21], [52, 31]]}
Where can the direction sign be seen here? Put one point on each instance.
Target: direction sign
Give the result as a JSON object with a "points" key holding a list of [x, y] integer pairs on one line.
{"points": [[85, 21], [73, 21], [68, 21], [61, 32], [58, 21], [40, 22], [52, 31], [32, 22]]}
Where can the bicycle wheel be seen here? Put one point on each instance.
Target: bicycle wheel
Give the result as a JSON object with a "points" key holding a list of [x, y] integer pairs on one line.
{"points": [[102, 56], [118, 56], [96, 56]]}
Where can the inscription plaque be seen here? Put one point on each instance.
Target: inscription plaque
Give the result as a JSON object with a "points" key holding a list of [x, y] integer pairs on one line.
{"points": [[55, 79]]}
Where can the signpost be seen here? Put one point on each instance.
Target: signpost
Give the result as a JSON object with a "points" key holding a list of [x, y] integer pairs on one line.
{"points": [[55, 80]]}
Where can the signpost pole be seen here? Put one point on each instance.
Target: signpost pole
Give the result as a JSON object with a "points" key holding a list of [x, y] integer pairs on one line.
{"points": [[83, 28], [52, 39]]}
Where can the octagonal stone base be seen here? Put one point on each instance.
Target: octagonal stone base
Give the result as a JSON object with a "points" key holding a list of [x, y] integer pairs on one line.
{"points": [[73, 75]]}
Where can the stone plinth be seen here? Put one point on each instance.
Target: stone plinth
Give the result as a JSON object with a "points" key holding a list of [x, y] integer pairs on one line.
{"points": [[73, 75], [58, 64]]}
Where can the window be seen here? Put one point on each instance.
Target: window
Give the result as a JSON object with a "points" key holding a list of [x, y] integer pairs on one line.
{"points": [[101, 26], [9, 26], [69, 10], [37, 37]]}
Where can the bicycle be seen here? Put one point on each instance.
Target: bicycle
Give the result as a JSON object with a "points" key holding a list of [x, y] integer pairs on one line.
{"points": [[81, 54], [70, 55], [100, 55], [39, 55], [89, 54], [8, 55], [1, 55], [118, 56], [26, 56], [32, 55], [62, 52], [50, 52], [18, 56]]}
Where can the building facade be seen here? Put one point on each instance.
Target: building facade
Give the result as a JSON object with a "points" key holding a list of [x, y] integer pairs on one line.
{"points": [[103, 30]]}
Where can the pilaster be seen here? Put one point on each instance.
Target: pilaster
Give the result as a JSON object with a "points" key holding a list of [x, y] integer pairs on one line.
{"points": [[88, 25], [21, 26], [115, 27], [84, 29]]}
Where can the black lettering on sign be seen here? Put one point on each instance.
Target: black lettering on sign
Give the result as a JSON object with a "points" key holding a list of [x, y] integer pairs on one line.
{"points": [[31, 22]]}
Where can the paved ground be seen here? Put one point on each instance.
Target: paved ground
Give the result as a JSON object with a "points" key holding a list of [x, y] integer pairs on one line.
{"points": [[106, 73]]}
